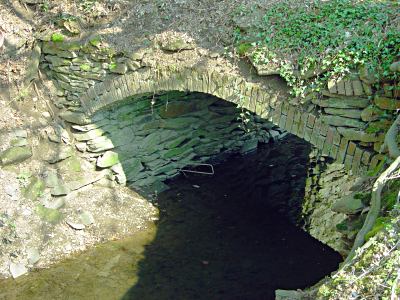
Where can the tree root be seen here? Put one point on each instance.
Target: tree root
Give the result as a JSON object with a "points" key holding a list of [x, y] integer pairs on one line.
{"points": [[375, 207]]}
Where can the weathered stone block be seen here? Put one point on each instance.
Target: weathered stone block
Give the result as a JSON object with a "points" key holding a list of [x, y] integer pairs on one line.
{"points": [[290, 118], [332, 86], [357, 160], [343, 112], [342, 121], [307, 134], [320, 142], [367, 75], [375, 160], [315, 132], [15, 155], [342, 150], [302, 125], [348, 205], [276, 115], [367, 89], [357, 88], [311, 120], [328, 141], [348, 161], [108, 159], [75, 117], [340, 87], [366, 157], [351, 148], [296, 122], [282, 121], [348, 88], [387, 103], [334, 151], [342, 102]]}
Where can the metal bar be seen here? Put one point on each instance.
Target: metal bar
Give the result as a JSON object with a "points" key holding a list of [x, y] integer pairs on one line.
{"points": [[199, 172]]}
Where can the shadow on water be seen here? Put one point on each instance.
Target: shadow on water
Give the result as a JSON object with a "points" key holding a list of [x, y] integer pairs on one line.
{"points": [[227, 236], [231, 236]]}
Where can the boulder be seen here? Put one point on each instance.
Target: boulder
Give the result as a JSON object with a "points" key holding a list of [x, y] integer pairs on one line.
{"points": [[15, 155]]}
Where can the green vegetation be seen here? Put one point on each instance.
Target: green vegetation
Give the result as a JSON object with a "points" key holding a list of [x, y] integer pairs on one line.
{"points": [[57, 37], [49, 215], [326, 38], [85, 67]]}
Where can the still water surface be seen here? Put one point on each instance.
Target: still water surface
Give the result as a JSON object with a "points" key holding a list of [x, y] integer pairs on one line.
{"points": [[226, 236]]}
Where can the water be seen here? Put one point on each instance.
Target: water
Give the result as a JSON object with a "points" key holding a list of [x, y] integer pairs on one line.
{"points": [[226, 236]]}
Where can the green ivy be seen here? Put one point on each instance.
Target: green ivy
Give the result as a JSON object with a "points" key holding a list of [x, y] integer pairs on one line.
{"points": [[334, 36]]}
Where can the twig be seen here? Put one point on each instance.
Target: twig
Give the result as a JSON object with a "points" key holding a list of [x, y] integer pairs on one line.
{"points": [[45, 100]]}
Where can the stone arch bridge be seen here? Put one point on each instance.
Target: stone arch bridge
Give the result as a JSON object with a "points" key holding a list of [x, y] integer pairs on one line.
{"points": [[270, 105], [93, 85]]}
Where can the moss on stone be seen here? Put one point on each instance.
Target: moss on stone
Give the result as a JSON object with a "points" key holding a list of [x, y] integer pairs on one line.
{"points": [[57, 37], [34, 189], [49, 215], [85, 67]]}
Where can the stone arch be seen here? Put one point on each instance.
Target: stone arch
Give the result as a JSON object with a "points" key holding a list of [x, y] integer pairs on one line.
{"points": [[272, 105]]}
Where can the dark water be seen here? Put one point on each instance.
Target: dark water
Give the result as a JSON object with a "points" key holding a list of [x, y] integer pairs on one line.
{"points": [[226, 236], [231, 235]]}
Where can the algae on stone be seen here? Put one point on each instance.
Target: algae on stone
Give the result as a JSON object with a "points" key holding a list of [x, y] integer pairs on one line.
{"points": [[15, 155]]}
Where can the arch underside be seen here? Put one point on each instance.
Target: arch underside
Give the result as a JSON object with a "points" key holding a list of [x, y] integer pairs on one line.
{"points": [[271, 105]]}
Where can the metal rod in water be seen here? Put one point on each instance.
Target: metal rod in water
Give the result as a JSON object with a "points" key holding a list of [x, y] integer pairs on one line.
{"points": [[199, 172]]}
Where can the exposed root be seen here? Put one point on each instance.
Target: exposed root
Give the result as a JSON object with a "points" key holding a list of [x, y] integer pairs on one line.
{"points": [[390, 141], [375, 207]]}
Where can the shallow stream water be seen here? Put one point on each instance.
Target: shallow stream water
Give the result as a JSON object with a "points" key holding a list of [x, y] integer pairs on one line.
{"points": [[226, 236]]}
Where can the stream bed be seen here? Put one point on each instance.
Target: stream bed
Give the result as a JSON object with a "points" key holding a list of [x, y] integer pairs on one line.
{"points": [[231, 235]]}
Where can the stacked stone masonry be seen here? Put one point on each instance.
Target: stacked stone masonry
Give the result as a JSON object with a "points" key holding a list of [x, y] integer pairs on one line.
{"points": [[148, 139], [303, 124], [335, 124]]}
